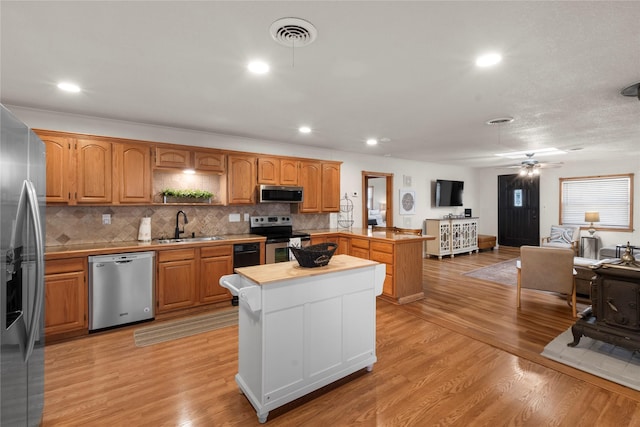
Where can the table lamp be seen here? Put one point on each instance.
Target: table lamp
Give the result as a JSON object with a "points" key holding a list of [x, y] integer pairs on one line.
{"points": [[591, 217]]}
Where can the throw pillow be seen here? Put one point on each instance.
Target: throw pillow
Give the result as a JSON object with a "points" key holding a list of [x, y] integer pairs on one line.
{"points": [[561, 235]]}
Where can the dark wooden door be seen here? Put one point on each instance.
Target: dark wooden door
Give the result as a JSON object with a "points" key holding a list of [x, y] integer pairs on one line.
{"points": [[518, 210]]}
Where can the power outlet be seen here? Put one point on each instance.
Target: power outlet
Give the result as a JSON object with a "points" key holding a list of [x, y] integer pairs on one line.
{"points": [[106, 219]]}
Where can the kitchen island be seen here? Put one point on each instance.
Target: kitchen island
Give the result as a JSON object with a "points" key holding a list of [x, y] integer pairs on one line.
{"points": [[303, 328]]}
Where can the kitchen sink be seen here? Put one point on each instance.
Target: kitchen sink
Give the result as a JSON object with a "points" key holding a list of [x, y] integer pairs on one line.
{"points": [[191, 239]]}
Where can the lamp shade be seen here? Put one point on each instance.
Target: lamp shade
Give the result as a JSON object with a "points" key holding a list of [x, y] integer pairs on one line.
{"points": [[592, 217]]}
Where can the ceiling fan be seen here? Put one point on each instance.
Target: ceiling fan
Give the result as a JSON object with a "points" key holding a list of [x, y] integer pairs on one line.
{"points": [[531, 167]]}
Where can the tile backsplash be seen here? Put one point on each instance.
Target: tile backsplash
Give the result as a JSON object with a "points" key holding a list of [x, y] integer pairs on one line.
{"points": [[69, 225]]}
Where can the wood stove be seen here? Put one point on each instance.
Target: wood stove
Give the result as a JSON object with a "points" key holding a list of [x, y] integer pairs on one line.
{"points": [[615, 310]]}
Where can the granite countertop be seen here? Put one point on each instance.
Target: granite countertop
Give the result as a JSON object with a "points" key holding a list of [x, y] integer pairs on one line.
{"points": [[105, 248], [270, 273]]}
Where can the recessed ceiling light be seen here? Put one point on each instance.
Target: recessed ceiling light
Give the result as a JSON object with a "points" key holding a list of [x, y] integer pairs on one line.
{"points": [[69, 87], [258, 67], [304, 129], [488, 59], [372, 141]]}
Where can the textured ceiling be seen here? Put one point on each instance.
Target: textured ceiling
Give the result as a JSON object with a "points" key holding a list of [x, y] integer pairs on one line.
{"points": [[398, 70]]}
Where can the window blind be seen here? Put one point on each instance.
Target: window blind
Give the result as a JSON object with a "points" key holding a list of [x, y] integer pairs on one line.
{"points": [[611, 196]]}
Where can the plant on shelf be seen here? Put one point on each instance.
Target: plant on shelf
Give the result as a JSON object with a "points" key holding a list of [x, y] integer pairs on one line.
{"points": [[201, 195]]}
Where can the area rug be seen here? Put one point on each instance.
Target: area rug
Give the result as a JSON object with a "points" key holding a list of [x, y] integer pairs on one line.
{"points": [[604, 360], [503, 272], [185, 327]]}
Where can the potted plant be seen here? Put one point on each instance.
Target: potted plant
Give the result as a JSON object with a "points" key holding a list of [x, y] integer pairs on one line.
{"points": [[187, 196]]}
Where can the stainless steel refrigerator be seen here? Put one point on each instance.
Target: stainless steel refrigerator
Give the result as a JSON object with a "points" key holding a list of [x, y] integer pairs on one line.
{"points": [[22, 204]]}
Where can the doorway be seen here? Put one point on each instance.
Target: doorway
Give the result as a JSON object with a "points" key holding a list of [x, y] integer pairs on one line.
{"points": [[382, 196], [518, 210]]}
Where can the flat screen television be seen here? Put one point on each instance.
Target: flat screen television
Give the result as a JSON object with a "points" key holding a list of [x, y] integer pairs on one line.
{"points": [[449, 193]]}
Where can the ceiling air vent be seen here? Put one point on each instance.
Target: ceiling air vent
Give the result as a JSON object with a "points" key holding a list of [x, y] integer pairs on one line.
{"points": [[293, 32]]}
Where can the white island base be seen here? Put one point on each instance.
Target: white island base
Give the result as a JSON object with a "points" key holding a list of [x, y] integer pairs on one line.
{"points": [[303, 328]]}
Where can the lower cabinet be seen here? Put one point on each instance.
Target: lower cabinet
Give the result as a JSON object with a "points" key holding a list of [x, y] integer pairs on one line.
{"points": [[342, 242], [215, 262], [65, 297], [176, 281], [190, 277], [384, 253], [359, 247]]}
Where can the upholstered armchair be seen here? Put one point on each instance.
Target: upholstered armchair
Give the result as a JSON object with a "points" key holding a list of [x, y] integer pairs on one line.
{"points": [[563, 236], [547, 269]]}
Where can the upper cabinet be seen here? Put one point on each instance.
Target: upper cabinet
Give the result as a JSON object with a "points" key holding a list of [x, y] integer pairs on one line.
{"points": [[59, 179], [202, 160], [79, 168], [132, 173], [310, 180], [92, 170], [278, 171], [289, 171], [173, 157], [321, 183], [330, 187], [241, 179], [209, 161]]}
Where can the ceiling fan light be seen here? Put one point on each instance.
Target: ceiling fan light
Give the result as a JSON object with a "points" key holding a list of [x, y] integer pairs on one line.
{"points": [[523, 172]]}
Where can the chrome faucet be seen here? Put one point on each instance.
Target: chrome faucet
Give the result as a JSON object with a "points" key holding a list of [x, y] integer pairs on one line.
{"points": [[177, 233]]}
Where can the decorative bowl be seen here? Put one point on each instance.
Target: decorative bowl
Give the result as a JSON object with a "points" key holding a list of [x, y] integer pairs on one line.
{"points": [[314, 255]]}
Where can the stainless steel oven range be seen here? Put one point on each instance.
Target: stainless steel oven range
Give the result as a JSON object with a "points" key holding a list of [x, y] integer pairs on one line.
{"points": [[278, 229]]}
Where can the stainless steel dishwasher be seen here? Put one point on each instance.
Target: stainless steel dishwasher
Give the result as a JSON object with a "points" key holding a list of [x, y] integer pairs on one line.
{"points": [[121, 289]]}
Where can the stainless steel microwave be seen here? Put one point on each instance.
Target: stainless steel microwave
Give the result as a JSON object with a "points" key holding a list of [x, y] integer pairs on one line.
{"points": [[279, 194]]}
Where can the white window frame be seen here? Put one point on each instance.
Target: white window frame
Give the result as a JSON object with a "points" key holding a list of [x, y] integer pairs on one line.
{"points": [[610, 195]]}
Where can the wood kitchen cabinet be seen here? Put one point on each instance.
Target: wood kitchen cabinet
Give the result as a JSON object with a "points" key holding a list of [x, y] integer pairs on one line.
{"points": [[277, 171], [289, 171], [384, 253], [176, 157], [215, 262], [132, 173], [79, 168], [65, 297], [58, 149], [359, 247], [342, 242], [321, 183], [241, 179], [176, 279], [173, 157], [330, 185], [209, 161], [93, 171], [310, 180], [269, 170]]}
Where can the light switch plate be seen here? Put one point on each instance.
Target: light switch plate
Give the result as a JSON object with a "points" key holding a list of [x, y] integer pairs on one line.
{"points": [[246, 217], [106, 219], [234, 217]]}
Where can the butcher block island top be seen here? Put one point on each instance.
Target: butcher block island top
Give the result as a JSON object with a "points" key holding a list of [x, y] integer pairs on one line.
{"points": [[269, 273]]}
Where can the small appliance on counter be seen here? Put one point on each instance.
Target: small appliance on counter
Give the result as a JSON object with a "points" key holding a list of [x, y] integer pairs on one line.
{"points": [[144, 232]]}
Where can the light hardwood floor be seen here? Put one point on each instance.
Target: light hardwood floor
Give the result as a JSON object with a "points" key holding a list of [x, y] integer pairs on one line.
{"points": [[463, 356]]}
